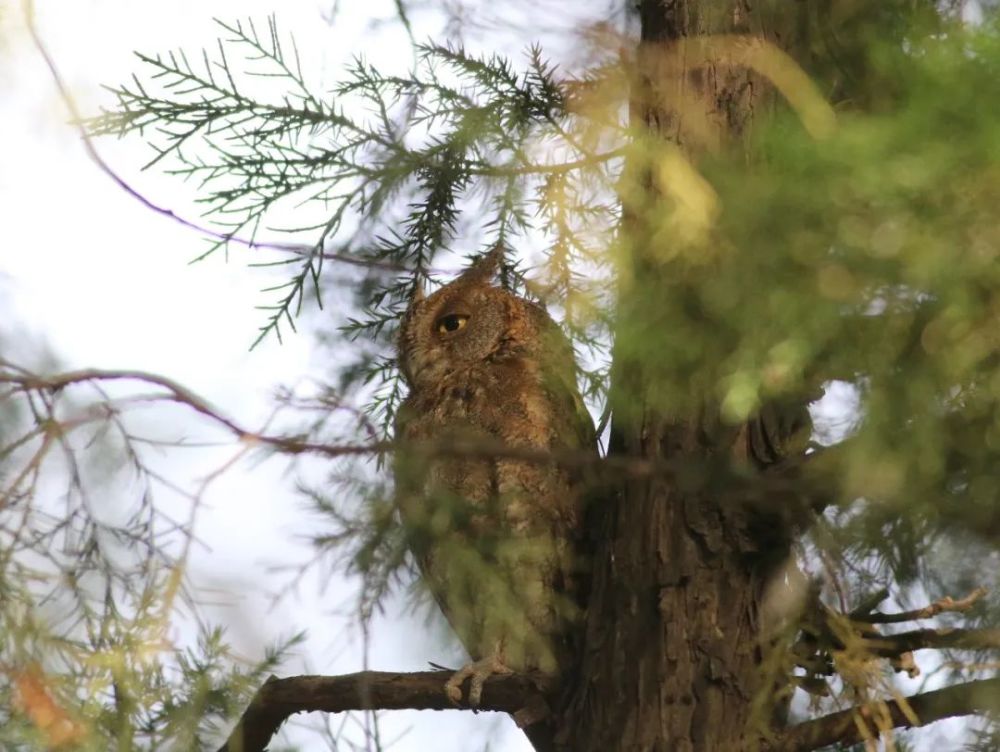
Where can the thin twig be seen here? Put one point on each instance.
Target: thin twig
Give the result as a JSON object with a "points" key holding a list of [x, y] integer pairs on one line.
{"points": [[301, 249], [940, 606]]}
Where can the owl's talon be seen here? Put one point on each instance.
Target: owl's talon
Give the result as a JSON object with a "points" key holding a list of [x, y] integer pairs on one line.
{"points": [[454, 690], [477, 672]]}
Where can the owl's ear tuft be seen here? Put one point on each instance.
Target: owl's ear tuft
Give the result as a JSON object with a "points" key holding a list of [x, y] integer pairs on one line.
{"points": [[483, 270], [417, 293]]}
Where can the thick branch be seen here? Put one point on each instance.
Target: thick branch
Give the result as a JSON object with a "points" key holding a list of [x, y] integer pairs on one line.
{"points": [[277, 699], [846, 726]]}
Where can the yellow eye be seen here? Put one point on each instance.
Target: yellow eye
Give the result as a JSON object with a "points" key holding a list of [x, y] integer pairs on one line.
{"points": [[451, 323]]}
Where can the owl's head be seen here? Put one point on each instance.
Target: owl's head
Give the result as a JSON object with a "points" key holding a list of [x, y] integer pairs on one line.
{"points": [[463, 323]]}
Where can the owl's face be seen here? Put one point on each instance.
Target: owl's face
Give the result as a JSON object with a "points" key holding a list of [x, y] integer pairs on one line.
{"points": [[460, 325]]}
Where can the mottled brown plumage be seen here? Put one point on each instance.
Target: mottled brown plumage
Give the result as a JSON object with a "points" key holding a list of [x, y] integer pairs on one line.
{"points": [[495, 537]]}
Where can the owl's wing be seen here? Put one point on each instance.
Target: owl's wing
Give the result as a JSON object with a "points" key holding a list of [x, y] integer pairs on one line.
{"points": [[575, 428], [410, 475], [441, 503]]}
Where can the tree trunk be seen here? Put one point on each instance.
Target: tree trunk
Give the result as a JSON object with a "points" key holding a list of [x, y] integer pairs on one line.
{"points": [[672, 651]]}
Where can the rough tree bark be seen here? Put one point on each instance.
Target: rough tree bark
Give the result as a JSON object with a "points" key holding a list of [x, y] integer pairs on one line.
{"points": [[672, 651]]}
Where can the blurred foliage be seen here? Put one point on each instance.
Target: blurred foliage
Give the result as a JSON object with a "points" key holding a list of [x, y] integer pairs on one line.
{"points": [[887, 277], [863, 255], [868, 257], [94, 651]]}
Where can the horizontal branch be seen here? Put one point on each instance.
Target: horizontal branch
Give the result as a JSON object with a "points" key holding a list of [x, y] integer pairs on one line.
{"points": [[769, 491], [857, 724], [277, 699], [890, 646], [940, 606], [486, 448]]}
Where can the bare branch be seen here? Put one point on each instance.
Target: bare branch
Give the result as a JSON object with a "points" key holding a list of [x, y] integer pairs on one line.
{"points": [[889, 646], [23, 380], [856, 725], [940, 606], [277, 699]]}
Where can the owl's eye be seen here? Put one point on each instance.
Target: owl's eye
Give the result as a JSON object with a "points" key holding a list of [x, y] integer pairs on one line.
{"points": [[451, 323]]}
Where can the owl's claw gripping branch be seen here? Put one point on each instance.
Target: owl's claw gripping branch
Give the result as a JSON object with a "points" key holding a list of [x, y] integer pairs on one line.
{"points": [[477, 672]]}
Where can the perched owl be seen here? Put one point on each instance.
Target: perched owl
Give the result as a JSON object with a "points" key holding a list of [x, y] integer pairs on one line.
{"points": [[494, 534]]}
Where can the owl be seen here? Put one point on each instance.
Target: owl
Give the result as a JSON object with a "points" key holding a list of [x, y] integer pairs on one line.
{"points": [[495, 534]]}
